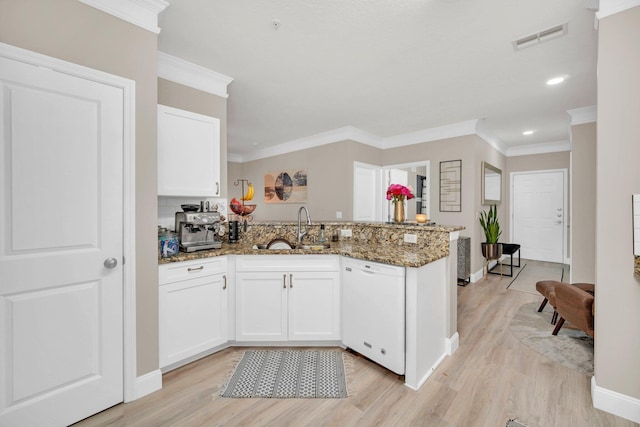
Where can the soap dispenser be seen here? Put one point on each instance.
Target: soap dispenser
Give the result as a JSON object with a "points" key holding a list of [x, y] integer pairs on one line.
{"points": [[322, 238]]}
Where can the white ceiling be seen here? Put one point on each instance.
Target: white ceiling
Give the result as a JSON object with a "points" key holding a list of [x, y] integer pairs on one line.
{"points": [[387, 67]]}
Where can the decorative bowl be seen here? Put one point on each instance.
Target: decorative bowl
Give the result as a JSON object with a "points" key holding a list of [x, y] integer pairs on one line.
{"points": [[190, 208], [242, 210]]}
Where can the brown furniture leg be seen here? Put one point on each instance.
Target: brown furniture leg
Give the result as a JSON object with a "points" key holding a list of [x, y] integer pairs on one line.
{"points": [[558, 326]]}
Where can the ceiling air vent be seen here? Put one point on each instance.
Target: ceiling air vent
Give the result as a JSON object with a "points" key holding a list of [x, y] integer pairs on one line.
{"points": [[541, 36]]}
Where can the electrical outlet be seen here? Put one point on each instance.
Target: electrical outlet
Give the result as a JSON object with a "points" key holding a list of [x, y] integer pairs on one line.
{"points": [[410, 238], [338, 214], [345, 232]]}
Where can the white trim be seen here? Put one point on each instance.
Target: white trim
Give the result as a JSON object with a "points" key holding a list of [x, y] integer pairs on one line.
{"points": [[129, 267], [192, 75], [352, 133], [580, 116], [541, 148], [432, 134], [615, 403], [484, 133], [452, 344], [346, 133], [426, 376], [477, 275], [148, 383], [454, 235], [565, 203], [143, 13], [611, 7]]}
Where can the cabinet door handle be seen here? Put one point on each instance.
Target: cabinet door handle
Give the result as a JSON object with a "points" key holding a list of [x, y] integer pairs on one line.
{"points": [[284, 281], [217, 188], [291, 280], [196, 269], [224, 277]]}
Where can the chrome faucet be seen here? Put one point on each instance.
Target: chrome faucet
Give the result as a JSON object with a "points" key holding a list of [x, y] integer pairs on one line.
{"points": [[300, 232]]}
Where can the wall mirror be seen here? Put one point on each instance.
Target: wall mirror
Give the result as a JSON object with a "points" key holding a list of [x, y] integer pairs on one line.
{"points": [[491, 186]]}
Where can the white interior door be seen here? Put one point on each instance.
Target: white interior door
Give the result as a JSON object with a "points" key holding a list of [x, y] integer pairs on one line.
{"points": [[61, 150], [538, 207], [366, 192]]}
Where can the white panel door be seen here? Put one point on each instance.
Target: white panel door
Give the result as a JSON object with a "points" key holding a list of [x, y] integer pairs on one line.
{"points": [[261, 306], [538, 215], [61, 148], [193, 317], [314, 306], [366, 192], [188, 153]]}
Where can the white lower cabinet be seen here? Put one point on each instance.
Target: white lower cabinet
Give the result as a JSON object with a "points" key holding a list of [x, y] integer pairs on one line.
{"points": [[193, 308], [301, 303]]}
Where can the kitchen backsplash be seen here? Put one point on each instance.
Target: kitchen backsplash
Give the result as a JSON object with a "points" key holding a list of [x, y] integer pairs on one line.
{"points": [[168, 206]]}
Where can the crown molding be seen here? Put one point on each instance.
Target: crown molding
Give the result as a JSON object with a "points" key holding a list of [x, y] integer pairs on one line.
{"points": [[351, 133], [611, 7], [483, 132], [432, 134], [189, 74], [580, 116], [143, 13], [346, 133], [541, 148]]}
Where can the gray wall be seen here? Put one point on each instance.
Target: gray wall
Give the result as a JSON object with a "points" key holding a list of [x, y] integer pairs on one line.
{"points": [[583, 203], [330, 186], [75, 32], [330, 171], [617, 349]]}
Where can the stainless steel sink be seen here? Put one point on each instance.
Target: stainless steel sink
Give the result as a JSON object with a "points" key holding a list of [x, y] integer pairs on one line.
{"points": [[313, 246], [282, 244]]}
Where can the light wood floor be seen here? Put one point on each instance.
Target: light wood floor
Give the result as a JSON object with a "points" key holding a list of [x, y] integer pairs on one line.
{"points": [[491, 378]]}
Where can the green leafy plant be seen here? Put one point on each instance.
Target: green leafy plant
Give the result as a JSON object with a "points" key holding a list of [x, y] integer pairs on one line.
{"points": [[490, 224]]}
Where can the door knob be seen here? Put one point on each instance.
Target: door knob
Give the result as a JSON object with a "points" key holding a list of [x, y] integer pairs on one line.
{"points": [[110, 263]]}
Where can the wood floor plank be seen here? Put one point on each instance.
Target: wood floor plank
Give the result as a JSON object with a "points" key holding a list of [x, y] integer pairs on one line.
{"points": [[492, 377]]}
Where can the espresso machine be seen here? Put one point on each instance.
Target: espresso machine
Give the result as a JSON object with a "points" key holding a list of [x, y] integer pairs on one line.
{"points": [[198, 230]]}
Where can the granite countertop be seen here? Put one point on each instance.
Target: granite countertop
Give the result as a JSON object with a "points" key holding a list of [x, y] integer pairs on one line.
{"points": [[400, 255]]}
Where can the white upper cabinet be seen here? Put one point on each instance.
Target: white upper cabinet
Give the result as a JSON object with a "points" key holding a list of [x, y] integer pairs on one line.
{"points": [[188, 153]]}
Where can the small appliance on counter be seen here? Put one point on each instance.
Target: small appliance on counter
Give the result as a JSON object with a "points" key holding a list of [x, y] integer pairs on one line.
{"points": [[168, 241], [198, 230]]}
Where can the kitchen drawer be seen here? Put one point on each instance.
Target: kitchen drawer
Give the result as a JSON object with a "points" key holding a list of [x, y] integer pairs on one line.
{"points": [[288, 263], [175, 272]]}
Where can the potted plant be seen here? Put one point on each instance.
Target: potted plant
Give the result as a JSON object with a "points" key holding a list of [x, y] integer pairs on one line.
{"points": [[491, 249]]}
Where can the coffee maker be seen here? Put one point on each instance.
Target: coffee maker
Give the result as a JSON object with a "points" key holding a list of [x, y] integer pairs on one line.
{"points": [[198, 230]]}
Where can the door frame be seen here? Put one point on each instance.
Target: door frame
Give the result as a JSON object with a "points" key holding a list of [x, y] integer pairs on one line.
{"points": [[565, 204], [131, 388]]}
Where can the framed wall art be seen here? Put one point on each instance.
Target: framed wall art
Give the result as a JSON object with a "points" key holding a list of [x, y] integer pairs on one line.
{"points": [[451, 186], [288, 186]]}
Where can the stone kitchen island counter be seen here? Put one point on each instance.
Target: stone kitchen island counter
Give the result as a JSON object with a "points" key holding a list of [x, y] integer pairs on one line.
{"points": [[379, 242], [255, 286]]}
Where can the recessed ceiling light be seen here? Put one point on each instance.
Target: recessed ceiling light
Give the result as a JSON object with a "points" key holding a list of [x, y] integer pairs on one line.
{"points": [[555, 81], [527, 132]]}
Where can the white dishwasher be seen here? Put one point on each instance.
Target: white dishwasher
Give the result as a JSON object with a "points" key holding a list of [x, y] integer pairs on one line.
{"points": [[373, 312]]}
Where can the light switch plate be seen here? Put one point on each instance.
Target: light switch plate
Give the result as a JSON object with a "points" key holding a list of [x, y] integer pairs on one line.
{"points": [[345, 232], [410, 238]]}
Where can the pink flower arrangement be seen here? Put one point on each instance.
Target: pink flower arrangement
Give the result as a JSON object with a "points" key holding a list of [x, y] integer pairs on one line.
{"points": [[399, 192]]}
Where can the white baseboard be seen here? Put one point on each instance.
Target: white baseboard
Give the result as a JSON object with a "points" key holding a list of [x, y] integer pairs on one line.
{"points": [[422, 380], [452, 344], [615, 403], [147, 384]]}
